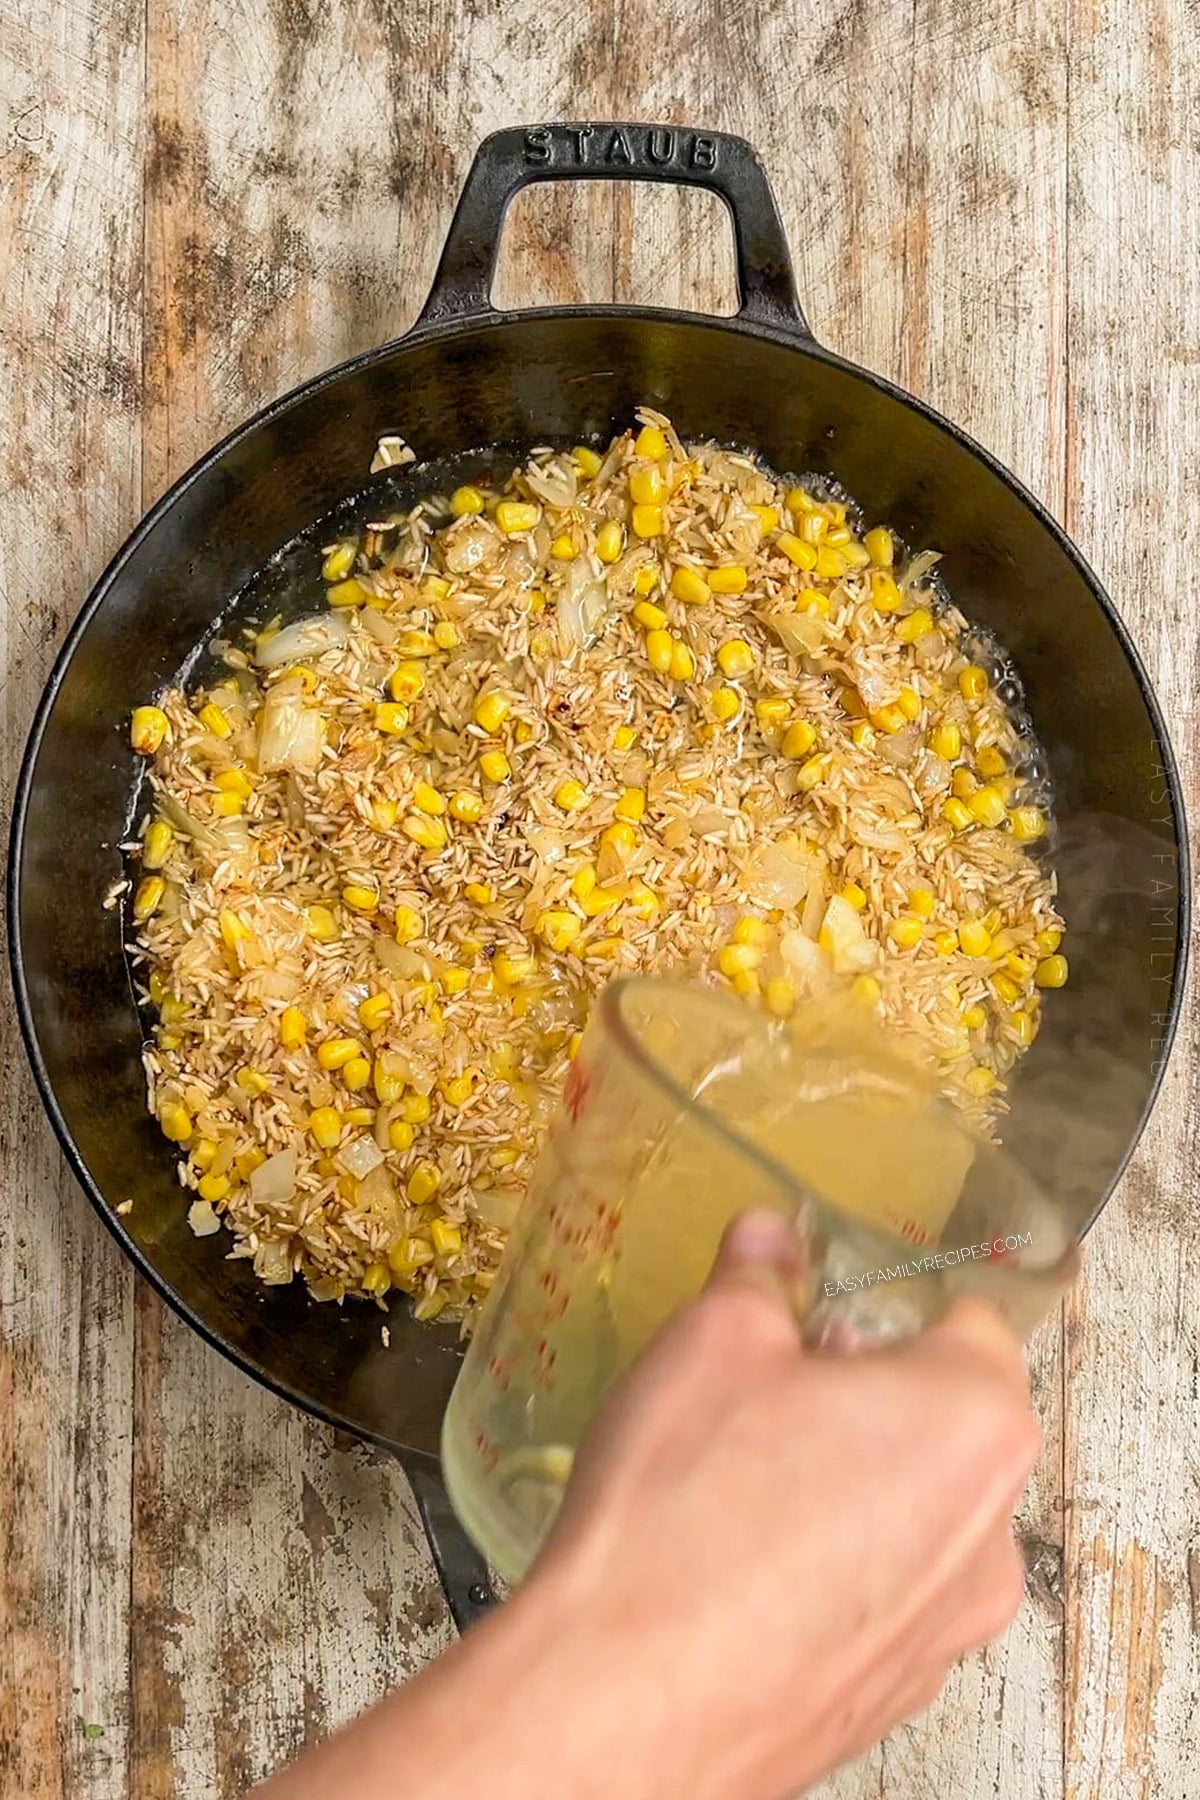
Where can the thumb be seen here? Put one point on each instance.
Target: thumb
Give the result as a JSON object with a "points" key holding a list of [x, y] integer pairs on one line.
{"points": [[761, 1249]]}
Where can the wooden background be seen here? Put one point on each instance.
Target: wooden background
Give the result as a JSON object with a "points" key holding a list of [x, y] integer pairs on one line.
{"points": [[203, 202]]}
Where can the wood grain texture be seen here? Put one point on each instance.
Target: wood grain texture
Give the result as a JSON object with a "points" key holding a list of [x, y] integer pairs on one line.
{"points": [[202, 202]]}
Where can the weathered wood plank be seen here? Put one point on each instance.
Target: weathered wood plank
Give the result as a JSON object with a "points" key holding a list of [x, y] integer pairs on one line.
{"points": [[1133, 1409], [70, 227]]}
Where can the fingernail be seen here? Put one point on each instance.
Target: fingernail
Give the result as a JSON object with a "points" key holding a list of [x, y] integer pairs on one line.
{"points": [[762, 1237]]}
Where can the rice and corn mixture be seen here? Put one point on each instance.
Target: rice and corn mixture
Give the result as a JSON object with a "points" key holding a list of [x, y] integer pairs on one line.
{"points": [[652, 709]]}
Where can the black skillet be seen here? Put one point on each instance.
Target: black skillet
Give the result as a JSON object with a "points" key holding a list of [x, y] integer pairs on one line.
{"points": [[469, 376]]}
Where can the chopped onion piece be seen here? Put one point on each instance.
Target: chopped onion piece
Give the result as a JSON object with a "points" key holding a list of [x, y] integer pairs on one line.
{"points": [[274, 1180], [581, 607], [556, 484], [359, 1157], [273, 1264], [916, 568], [202, 1220], [778, 874], [290, 734], [303, 640], [400, 959]]}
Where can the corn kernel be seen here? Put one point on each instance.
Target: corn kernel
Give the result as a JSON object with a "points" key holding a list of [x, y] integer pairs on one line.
{"points": [[1021, 968], [491, 710], [812, 600], [812, 773], [683, 663], [610, 540], [964, 783], [1005, 989], [384, 814], [972, 682], [987, 805], [215, 720], [730, 578], [854, 896], [347, 593], [252, 1081], [1048, 941], [726, 704], [513, 967], [321, 924], [360, 898], [426, 799], [780, 996], [391, 716], [148, 729], [801, 554], [175, 1121], [202, 1154], [479, 893], [974, 938], [647, 487], [879, 545], [647, 523], [212, 1188], [830, 564], [643, 900], [889, 718], [910, 703], [335, 1053], [659, 647], [866, 990], [422, 1184], [1028, 823], [415, 644], [631, 805], [862, 734], [446, 635], [620, 837], [374, 1011], [430, 1305], [916, 625], [339, 562], [974, 1017], [600, 900], [747, 983], [293, 1028], [228, 806], [494, 766], [446, 1238], [234, 781], [406, 681], [736, 959], [455, 980], [415, 1108], [407, 924], [652, 618], [356, 1073], [798, 739], [325, 1125], [922, 901], [736, 658], [148, 897], [516, 516], [559, 930], [434, 587], [750, 930], [571, 795], [400, 1134], [945, 740], [156, 845], [1052, 972], [583, 881], [885, 595], [1024, 1027], [991, 761], [772, 713], [646, 579], [426, 832], [800, 503], [958, 814], [946, 943], [465, 501], [457, 1091], [650, 443], [690, 586], [768, 518], [979, 1081], [564, 549], [907, 932]]}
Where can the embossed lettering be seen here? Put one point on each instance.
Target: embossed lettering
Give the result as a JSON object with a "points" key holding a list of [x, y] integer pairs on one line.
{"points": [[660, 146], [618, 150], [581, 134], [537, 145], [704, 153]]}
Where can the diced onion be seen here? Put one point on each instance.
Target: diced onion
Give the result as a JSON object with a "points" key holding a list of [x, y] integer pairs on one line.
{"points": [[400, 959], [202, 1220], [581, 607], [384, 631], [303, 640], [778, 874], [290, 734], [359, 1157], [497, 1207], [556, 484], [273, 1264]]}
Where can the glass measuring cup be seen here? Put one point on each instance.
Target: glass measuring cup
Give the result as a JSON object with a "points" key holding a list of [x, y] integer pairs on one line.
{"points": [[683, 1109]]}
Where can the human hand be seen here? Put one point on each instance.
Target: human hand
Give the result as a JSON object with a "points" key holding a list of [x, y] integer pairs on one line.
{"points": [[776, 1555]]}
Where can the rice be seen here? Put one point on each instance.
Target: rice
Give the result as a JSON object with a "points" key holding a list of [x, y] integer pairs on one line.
{"points": [[697, 845]]}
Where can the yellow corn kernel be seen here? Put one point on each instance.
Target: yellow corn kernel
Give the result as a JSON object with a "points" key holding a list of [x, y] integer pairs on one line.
{"points": [[946, 943], [156, 845], [631, 805], [234, 781], [563, 549], [360, 898], [768, 518], [987, 806], [922, 901], [466, 806], [643, 900], [386, 1080], [889, 718], [212, 1188], [990, 761], [865, 990], [426, 799], [1052, 972], [979, 1081], [799, 503], [812, 600], [422, 1184], [384, 814], [972, 682], [862, 734], [426, 832], [446, 635], [446, 1238], [455, 980], [963, 783], [416, 643], [1046, 941], [796, 550], [916, 624], [830, 563], [335, 1053], [339, 562], [586, 461], [148, 897], [347, 593], [880, 547], [1021, 968], [356, 1074], [252, 1081], [233, 929], [407, 924], [906, 931], [798, 739], [202, 1153], [491, 710], [958, 814], [659, 647], [293, 1028], [175, 1121], [772, 713], [603, 949], [652, 618], [726, 704], [647, 487], [159, 988], [646, 579], [494, 766], [780, 996], [1028, 823], [374, 1011], [736, 658], [391, 716], [683, 663], [213, 719], [1024, 1026], [400, 1134], [737, 959], [610, 539], [1005, 989], [516, 516], [650, 443], [945, 740], [559, 930], [993, 919], [434, 587], [647, 523], [321, 924], [974, 938], [812, 773], [885, 595], [730, 578], [690, 586], [467, 500], [406, 681], [458, 1090], [415, 1108], [583, 881], [325, 1125], [377, 1278], [600, 900], [227, 806], [148, 729], [513, 967], [620, 837], [974, 1017], [571, 795], [430, 1305], [750, 930], [479, 894], [747, 984], [910, 703], [854, 896], [359, 1115]]}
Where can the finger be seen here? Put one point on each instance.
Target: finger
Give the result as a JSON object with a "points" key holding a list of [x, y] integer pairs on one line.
{"points": [[761, 1249]]}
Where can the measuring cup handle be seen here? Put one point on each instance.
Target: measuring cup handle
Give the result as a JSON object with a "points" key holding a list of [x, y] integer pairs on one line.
{"points": [[465, 1577]]}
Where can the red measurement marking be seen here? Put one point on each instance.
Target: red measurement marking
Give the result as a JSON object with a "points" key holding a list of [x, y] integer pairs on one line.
{"points": [[575, 1092]]}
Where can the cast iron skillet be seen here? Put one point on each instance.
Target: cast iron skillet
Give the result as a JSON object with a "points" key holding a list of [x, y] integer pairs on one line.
{"points": [[468, 376]]}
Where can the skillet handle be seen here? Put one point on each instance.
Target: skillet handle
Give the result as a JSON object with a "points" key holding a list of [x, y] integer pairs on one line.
{"points": [[465, 1577], [512, 159]]}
